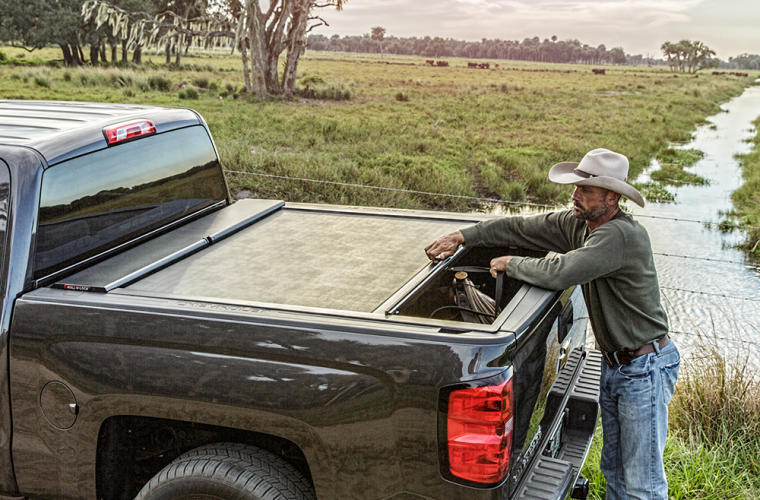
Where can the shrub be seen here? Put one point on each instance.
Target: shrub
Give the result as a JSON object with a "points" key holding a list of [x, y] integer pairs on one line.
{"points": [[42, 81], [188, 93], [157, 82], [202, 82], [337, 92], [311, 80], [121, 80], [3, 57], [142, 85]]}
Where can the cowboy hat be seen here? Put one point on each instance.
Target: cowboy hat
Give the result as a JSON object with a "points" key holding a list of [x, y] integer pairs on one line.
{"points": [[600, 167]]}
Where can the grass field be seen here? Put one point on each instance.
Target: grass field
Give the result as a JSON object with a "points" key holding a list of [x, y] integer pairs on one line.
{"points": [[487, 133], [397, 122]]}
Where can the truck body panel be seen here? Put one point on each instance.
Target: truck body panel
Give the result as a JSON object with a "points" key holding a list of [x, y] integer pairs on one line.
{"points": [[301, 378]]}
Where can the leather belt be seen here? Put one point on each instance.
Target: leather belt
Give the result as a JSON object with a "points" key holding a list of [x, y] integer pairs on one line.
{"points": [[625, 357]]}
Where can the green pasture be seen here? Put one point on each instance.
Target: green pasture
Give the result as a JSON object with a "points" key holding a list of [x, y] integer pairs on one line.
{"points": [[399, 122]]}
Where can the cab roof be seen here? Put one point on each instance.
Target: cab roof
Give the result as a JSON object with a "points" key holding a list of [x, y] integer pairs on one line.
{"points": [[60, 130]]}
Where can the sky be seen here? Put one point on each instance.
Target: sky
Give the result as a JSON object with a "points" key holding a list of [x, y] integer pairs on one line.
{"points": [[729, 27]]}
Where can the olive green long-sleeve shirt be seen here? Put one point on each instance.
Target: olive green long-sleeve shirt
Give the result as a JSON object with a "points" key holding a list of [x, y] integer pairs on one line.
{"points": [[614, 265]]}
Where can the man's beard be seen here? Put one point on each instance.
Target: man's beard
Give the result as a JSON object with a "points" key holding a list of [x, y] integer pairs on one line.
{"points": [[590, 214]]}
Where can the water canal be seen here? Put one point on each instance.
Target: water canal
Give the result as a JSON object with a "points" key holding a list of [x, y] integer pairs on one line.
{"points": [[709, 288]]}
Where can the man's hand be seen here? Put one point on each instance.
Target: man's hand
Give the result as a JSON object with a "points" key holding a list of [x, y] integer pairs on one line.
{"points": [[444, 246], [500, 264]]}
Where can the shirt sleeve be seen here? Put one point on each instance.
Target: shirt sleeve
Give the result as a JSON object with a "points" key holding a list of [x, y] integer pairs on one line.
{"points": [[602, 253], [550, 232]]}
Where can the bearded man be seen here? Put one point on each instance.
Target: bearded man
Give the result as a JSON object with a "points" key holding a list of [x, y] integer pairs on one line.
{"points": [[608, 253]]}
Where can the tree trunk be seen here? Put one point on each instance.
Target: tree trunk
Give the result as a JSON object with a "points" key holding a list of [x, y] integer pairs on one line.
{"points": [[276, 46], [114, 51], [178, 50], [68, 60], [258, 47], [103, 53], [80, 53], [297, 42], [94, 53], [168, 52], [137, 55], [124, 52], [246, 72]]}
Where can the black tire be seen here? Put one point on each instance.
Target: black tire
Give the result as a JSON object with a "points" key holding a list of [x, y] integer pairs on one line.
{"points": [[228, 471]]}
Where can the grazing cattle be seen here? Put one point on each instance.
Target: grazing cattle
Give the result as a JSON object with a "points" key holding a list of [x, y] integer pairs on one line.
{"points": [[441, 63], [598, 71], [483, 66], [472, 65], [495, 65], [429, 61]]}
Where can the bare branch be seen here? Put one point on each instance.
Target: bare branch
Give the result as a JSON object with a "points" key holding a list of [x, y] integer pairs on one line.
{"points": [[321, 22]]}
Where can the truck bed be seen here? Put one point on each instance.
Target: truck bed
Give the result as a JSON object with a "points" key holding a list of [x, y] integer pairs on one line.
{"points": [[272, 252]]}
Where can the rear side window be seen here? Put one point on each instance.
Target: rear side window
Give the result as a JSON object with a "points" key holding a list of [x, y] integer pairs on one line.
{"points": [[95, 202]]}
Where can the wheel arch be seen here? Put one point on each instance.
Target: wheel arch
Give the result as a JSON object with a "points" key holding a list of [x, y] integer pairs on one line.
{"points": [[131, 449]]}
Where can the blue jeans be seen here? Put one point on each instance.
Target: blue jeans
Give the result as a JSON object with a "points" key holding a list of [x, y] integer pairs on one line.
{"points": [[634, 400]]}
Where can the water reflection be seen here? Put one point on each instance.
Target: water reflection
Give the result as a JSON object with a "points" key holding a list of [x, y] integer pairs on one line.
{"points": [[716, 301]]}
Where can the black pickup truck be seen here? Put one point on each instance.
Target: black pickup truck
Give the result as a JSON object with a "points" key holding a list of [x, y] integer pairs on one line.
{"points": [[159, 341]]}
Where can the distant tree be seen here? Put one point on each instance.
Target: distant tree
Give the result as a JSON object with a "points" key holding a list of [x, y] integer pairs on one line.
{"points": [[617, 55], [531, 49], [687, 56], [699, 56], [745, 61], [378, 34], [33, 24]]}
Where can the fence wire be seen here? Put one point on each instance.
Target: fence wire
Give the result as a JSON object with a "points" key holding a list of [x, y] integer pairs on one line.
{"points": [[495, 201]]}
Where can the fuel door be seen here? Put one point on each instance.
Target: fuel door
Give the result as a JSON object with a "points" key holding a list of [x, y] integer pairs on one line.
{"points": [[58, 404]]}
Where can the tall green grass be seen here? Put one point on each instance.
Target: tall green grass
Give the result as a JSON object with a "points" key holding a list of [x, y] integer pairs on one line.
{"points": [[713, 447]]}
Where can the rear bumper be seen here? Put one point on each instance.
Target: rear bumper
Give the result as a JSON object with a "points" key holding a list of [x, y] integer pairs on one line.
{"points": [[550, 477]]}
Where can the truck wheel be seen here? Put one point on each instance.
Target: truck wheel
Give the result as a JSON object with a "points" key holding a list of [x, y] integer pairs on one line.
{"points": [[226, 471]]}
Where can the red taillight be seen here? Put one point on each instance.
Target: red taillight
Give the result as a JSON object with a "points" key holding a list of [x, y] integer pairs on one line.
{"points": [[128, 130], [479, 432]]}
